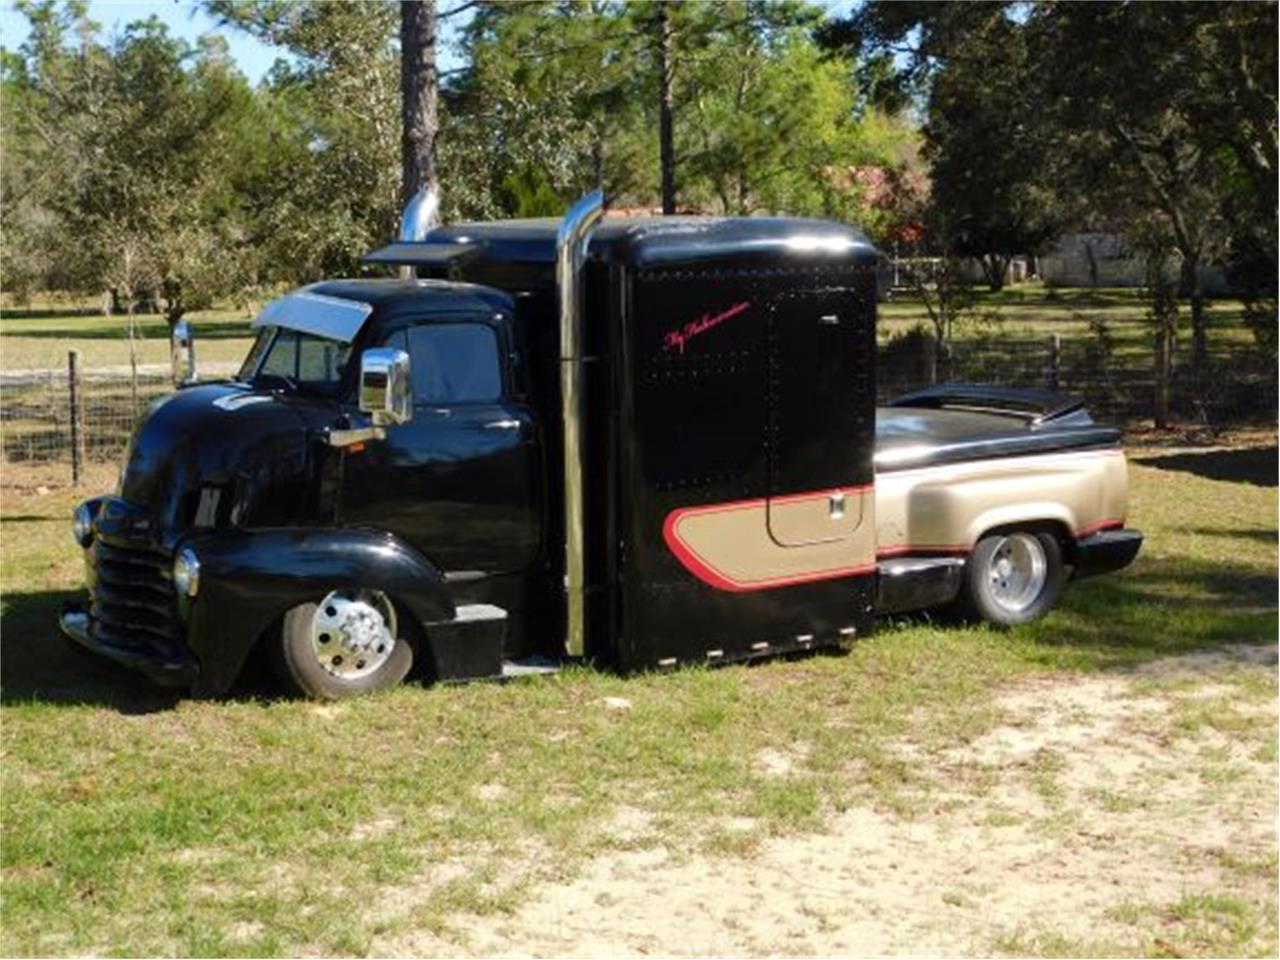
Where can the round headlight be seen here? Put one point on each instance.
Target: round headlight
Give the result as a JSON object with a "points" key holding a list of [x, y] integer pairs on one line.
{"points": [[82, 525], [186, 573]]}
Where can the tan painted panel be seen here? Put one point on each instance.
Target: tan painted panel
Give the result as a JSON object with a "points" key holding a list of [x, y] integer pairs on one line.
{"points": [[948, 507], [729, 545]]}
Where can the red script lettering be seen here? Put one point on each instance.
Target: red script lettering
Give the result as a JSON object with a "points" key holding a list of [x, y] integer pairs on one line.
{"points": [[676, 339]]}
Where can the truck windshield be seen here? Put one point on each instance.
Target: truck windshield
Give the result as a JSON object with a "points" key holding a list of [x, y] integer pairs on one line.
{"points": [[300, 361]]}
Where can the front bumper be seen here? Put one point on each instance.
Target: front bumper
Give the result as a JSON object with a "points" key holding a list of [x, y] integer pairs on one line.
{"points": [[1106, 551], [168, 668]]}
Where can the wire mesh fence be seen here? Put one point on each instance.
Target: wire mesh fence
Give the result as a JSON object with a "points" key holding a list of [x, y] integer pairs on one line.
{"points": [[37, 422], [1237, 385], [38, 425]]}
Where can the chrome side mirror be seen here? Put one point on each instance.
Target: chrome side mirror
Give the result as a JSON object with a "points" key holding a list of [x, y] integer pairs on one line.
{"points": [[385, 391], [182, 353]]}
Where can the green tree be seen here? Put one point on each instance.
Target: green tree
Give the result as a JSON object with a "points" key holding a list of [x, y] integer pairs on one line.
{"points": [[1185, 95], [330, 192], [716, 106], [990, 152], [130, 138], [1159, 112]]}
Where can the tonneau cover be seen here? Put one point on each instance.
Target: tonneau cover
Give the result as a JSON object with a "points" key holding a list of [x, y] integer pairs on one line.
{"points": [[910, 437]]}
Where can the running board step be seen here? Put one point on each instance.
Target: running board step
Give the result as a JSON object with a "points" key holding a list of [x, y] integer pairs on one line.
{"points": [[534, 666]]}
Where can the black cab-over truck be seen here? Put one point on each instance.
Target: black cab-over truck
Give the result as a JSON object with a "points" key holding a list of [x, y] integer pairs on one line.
{"points": [[638, 442]]}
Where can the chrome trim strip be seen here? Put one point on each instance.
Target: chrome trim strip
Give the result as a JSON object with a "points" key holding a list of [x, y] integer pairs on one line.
{"points": [[910, 565], [316, 314], [571, 254]]}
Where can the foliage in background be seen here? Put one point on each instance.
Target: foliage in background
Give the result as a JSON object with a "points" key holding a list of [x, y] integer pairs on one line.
{"points": [[116, 153], [147, 168], [1055, 115]]}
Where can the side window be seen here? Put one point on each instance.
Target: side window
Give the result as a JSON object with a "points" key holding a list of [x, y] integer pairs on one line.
{"points": [[455, 363], [321, 361]]}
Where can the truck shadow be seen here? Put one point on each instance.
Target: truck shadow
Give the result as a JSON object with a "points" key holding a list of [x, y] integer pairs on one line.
{"points": [[38, 665], [1159, 608], [1253, 465]]}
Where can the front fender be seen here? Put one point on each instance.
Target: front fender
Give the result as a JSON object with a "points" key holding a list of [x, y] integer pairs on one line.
{"points": [[250, 578]]}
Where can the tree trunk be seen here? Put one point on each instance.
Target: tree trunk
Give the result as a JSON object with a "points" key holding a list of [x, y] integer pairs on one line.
{"points": [[666, 135], [132, 327], [1164, 374], [1189, 287], [994, 267], [418, 96], [1164, 317], [1093, 265]]}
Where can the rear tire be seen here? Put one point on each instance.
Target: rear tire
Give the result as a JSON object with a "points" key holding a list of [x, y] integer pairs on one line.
{"points": [[343, 646], [1014, 577]]}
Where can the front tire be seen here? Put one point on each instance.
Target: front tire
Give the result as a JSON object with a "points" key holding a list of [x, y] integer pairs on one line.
{"points": [[343, 646], [1014, 577]]}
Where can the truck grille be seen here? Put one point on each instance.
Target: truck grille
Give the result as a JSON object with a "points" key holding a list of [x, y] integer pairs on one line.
{"points": [[132, 600]]}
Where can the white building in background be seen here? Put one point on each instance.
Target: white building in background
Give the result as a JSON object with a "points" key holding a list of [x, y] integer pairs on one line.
{"points": [[1074, 259]]}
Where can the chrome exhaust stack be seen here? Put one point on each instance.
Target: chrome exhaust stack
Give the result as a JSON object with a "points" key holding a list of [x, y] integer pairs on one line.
{"points": [[421, 215], [571, 255]]}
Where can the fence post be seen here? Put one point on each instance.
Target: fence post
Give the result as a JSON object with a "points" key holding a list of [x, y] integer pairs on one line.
{"points": [[1055, 361], [76, 416]]}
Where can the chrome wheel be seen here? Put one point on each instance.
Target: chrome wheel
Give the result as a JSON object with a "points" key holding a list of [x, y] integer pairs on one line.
{"points": [[1016, 572], [353, 633]]}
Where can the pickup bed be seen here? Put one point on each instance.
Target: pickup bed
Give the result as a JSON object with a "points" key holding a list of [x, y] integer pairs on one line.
{"points": [[1023, 475]]}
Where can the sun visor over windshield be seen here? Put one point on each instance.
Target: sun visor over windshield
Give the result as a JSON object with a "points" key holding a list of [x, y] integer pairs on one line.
{"points": [[316, 314]]}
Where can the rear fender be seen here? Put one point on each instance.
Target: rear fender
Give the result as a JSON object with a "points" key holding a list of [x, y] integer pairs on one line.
{"points": [[1048, 514], [248, 579]]}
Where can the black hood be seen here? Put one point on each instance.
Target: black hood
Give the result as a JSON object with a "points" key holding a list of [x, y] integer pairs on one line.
{"points": [[235, 442]]}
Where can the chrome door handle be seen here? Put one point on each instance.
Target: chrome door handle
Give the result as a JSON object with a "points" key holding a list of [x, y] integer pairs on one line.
{"points": [[502, 425]]}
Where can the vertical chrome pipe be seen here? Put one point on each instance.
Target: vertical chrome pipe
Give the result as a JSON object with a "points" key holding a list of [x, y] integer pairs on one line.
{"points": [[571, 255], [421, 215]]}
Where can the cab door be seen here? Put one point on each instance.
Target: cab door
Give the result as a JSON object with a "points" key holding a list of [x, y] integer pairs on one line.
{"points": [[459, 481]]}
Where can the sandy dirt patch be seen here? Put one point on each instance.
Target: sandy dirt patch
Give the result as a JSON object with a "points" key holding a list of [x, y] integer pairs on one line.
{"points": [[1067, 820]]}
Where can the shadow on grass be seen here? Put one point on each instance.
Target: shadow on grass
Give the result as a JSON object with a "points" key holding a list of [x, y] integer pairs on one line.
{"points": [[1162, 608], [1255, 465], [225, 330], [1228, 533], [38, 665], [36, 313]]}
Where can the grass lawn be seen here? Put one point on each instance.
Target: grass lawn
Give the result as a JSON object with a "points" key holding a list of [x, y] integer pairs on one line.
{"points": [[1031, 310], [1110, 761], [39, 338]]}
